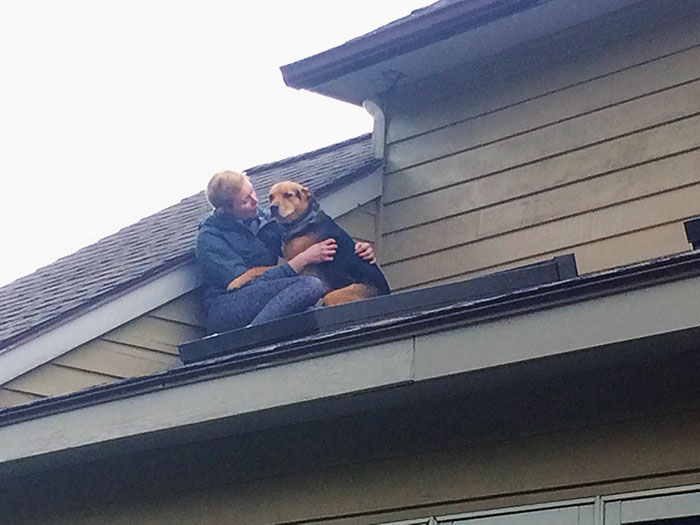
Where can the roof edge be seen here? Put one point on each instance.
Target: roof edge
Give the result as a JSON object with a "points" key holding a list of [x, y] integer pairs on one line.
{"points": [[561, 293], [398, 38], [90, 323], [97, 301]]}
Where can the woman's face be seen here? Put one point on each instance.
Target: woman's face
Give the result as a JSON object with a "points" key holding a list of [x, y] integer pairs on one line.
{"points": [[245, 204]]}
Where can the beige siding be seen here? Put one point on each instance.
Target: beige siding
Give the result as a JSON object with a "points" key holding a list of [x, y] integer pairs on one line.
{"points": [[143, 346], [361, 223], [578, 156]]}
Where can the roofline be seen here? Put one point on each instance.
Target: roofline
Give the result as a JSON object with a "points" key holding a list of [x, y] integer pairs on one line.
{"points": [[575, 290], [95, 302], [398, 38], [92, 322]]}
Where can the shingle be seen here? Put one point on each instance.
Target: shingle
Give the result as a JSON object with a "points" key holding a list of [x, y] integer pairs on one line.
{"points": [[155, 244]]}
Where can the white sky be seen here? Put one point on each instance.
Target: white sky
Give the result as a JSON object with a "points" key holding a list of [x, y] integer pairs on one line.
{"points": [[113, 110]]}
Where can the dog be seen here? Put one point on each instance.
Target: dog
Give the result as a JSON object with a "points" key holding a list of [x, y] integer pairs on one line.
{"points": [[348, 277]]}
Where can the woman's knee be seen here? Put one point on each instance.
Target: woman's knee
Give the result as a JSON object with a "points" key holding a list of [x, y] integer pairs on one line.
{"points": [[314, 285]]}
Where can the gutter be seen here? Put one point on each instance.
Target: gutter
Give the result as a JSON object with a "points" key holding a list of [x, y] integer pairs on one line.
{"points": [[574, 290], [399, 38]]}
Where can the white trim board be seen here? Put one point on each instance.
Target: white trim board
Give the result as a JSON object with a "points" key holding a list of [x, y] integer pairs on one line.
{"points": [[146, 297], [596, 323]]}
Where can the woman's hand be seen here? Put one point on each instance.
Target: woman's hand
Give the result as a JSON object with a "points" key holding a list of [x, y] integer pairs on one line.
{"points": [[366, 251], [323, 251]]}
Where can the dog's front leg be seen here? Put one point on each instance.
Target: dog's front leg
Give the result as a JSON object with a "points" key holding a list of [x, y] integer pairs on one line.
{"points": [[247, 276]]}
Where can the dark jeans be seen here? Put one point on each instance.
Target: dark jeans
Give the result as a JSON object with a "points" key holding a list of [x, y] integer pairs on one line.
{"points": [[261, 301]]}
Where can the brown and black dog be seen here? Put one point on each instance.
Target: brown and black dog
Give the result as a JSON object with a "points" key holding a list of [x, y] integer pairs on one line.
{"points": [[348, 277]]}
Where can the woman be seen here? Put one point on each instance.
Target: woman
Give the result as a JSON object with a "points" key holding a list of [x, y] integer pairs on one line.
{"points": [[238, 236]]}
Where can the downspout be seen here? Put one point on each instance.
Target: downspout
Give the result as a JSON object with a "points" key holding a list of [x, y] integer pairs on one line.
{"points": [[378, 143]]}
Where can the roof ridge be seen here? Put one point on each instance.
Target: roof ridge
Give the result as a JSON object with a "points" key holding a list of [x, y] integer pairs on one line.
{"points": [[308, 154]]}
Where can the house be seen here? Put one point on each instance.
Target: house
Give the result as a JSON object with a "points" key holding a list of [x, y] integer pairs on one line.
{"points": [[511, 132]]}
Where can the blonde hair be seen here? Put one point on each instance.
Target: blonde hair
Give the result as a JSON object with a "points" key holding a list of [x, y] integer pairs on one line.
{"points": [[223, 186]]}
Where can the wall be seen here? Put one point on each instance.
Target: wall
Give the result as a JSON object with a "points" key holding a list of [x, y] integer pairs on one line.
{"points": [[587, 143], [361, 223]]}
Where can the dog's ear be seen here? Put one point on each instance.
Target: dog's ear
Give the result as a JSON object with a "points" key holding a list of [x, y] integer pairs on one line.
{"points": [[309, 194]]}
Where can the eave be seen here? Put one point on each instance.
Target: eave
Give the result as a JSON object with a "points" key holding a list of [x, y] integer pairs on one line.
{"points": [[418, 47]]}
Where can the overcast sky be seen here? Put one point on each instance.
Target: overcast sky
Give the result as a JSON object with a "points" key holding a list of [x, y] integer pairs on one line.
{"points": [[113, 110]]}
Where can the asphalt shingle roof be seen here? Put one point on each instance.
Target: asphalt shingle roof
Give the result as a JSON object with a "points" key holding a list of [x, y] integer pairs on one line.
{"points": [[153, 245]]}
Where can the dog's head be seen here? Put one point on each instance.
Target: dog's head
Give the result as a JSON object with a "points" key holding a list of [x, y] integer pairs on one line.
{"points": [[289, 200]]}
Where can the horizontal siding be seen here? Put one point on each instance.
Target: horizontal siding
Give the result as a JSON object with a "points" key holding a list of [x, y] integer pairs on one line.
{"points": [[678, 172], [598, 160], [635, 107], [547, 72], [53, 380], [117, 359], [361, 223], [586, 164], [561, 235], [629, 248], [10, 398], [146, 345], [154, 333], [186, 309]]}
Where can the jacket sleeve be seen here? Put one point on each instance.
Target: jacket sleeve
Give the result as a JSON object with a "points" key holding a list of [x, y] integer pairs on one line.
{"points": [[220, 264]]}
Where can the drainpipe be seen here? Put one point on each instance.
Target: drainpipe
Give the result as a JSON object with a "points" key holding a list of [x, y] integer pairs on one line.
{"points": [[378, 140], [379, 130]]}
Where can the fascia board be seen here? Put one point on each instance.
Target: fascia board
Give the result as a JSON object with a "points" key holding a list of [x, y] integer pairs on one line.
{"points": [[145, 297], [605, 324], [346, 75]]}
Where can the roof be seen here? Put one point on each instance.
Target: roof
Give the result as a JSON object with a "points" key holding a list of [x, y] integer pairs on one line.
{"points": [[425, 26], [384, 328], [99, 272]]}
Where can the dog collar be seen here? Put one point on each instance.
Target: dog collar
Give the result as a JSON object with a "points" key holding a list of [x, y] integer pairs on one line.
{"points": [[309, 217]]}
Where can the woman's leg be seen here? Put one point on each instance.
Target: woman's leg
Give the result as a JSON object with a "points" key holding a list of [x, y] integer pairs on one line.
{"points": [[237, 309], [295, 298]]}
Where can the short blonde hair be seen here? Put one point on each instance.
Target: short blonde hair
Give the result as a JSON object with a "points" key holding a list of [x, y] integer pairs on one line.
{"points": [[224, 186]]}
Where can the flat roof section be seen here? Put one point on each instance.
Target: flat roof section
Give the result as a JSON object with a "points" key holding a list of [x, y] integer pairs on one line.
{"points": [[326, 320]]}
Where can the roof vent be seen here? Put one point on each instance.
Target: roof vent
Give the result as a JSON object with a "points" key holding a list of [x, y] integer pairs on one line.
{"points": [[692, 232]]}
